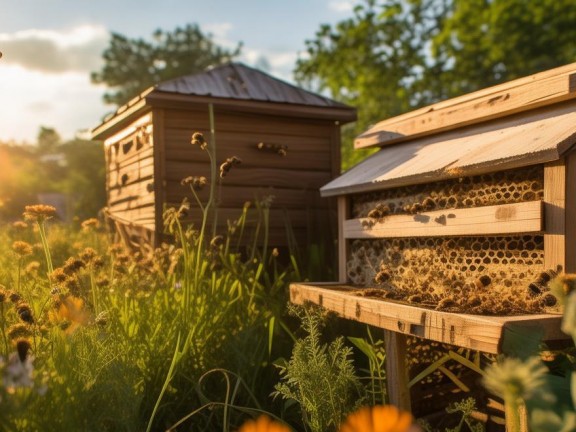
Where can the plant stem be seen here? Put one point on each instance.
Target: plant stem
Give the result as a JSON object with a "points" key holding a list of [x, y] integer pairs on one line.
{"points": [[44, 240], [512, 413]]}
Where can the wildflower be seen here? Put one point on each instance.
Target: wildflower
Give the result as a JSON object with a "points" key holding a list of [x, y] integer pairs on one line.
{"points": [[515, 379], [22, 348], [275, 253], [25, 312], [22, 248], [91, 224], [17, 373], [102, 319], [19, 330], [228, 164], [87, 255], [32, 267], [116, 248], [72, 265], [69, 314], [20, 225], [58, 275], [563, 285], [197, 183], [3, 294], [103, 282], [39, 212], [381, 418], [14, 297], [263, 424], [217, 241], [199, 140]]}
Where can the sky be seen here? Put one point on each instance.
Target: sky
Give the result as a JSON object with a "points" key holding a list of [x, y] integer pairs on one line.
{"points": [[50, 47]]}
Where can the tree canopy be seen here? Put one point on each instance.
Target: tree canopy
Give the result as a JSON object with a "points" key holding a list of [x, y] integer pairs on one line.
{"points": [[396, 55], [133, 65]]}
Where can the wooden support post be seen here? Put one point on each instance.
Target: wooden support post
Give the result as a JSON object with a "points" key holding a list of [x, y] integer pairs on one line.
{"points": [[570, 209], [555, 214], [343, 215], [397, 370]]}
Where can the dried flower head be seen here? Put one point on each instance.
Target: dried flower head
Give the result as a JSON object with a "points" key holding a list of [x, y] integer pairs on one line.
{"points": [[14, 297], [39, 212], [199, 140], [58, 275], [263, 424], [3, 294], [73, 265], [87, 255], [195, 182], [22, 248], [22, 348], [18, 330], [24, 311], [226, 166], [32, 267], [381, 418], [20, 225], [91, 224]]}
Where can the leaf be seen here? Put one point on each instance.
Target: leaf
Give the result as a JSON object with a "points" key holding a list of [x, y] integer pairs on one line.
{"points": [[522, 340]]}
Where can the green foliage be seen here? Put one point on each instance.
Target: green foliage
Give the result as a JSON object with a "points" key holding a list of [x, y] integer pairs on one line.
{"points": [[321, 378], [395, 56], [465, 407], [133, 65], [376, 354]]}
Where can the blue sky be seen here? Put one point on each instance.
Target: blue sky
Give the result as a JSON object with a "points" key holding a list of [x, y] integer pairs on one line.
{"points": [[51, 46]]}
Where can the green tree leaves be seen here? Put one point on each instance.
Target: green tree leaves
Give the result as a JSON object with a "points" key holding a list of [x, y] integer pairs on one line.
{"points": [[133, 65]]}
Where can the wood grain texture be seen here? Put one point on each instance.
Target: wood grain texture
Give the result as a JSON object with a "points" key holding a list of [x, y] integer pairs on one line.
{"points": [[554, 207], [397, 370], [539, 90], [343, 215], [537, 137], [570, 209], [488, 220], [482, 333]]}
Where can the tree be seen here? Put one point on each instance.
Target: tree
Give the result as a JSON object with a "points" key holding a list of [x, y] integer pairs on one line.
{"points": [[133, 65], [397, 55]]}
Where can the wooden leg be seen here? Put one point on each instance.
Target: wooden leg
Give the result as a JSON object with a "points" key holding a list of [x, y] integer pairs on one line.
{"points": [[397, 370]]}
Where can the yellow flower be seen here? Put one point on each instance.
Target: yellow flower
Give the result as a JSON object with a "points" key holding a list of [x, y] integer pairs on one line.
{"points": [[381, 418], [263, 424]]}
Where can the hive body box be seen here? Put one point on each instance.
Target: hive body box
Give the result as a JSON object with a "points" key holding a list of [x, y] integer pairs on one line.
{"points": [[148, 151], [480, 185]]}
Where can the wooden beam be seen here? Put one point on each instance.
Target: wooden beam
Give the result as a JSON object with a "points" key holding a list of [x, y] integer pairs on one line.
{"points": [[397, 370], [488, 220], [343, 215], [159, 178], [539, 90], [570, 209], [554, 209], [477, 332]]}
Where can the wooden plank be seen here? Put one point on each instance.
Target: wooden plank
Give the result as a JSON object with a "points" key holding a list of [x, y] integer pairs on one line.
{"points": [[570, 216], [477, 332], [554, 207], [535, 91], [521, 217], [343, 215], [159, 175], [540, 136], [397, 370], [135, 173]]}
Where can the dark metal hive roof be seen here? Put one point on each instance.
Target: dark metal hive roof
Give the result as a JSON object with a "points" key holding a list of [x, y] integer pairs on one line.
{"points": [[238, 81]]}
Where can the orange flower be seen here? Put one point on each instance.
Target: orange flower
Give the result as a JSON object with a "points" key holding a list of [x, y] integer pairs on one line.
{"points": [[381, 418], [263, 424], [70, 314]]}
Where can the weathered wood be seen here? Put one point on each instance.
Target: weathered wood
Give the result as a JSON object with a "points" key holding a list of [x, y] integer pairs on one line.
{"points": [[477, 332], [537, 137], [159, 172], [397, 370], [343, 215], [539, 90], [522, 217], [554, 208], [570, 209]]}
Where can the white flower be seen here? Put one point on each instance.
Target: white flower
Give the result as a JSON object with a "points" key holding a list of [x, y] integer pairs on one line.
{"points": [[18, 374]]}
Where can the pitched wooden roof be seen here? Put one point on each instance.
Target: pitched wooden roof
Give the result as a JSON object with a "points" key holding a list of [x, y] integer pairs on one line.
{"points": [[529, 138], [238, 81]]}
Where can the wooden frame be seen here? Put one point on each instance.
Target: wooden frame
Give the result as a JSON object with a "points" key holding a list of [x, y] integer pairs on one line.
{"points": [[477, 332]]}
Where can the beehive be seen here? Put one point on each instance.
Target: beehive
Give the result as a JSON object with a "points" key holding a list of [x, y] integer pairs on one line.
{"points": [[287, 138], [460, 219]]}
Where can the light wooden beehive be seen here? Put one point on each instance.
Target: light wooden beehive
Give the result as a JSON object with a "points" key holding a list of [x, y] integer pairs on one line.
{"points": [[474, 196]]}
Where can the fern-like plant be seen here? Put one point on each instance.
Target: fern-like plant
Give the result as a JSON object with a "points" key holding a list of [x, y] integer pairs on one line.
{"points": [[320, 377]]}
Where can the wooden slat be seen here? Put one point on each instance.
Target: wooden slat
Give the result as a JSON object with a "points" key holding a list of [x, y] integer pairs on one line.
{"points": [[570, 209], [554, 206], [343, 215], [498, 219], [397, 370], [482, 333], [516, 96], [538, 137]]}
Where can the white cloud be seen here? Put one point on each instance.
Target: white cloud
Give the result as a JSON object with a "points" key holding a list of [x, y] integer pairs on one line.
{"points": [[77, 49], [342, 6]]}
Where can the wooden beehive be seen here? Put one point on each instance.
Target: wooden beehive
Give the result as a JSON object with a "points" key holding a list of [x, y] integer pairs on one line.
{"points": [[468, 200], [148, 151]]}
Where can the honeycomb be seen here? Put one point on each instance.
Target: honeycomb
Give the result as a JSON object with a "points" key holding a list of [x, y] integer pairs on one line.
{"points": [[491, 275], [503, 187]]}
